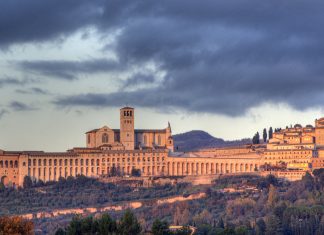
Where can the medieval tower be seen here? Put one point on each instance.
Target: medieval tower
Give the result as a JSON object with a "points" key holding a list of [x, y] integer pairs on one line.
{"points": [[127, 127]]}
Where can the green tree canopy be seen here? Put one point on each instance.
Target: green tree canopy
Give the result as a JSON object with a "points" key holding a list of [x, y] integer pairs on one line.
{"points": [[128, 224], [28, 183], [160, 227]]}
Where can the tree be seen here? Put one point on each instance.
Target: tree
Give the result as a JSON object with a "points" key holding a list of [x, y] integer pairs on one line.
{"points": [[60, 231], [16, 225], [128, 224], [28, 183], [256, 138], [74, 227], [308, 181], [136, 172], [273, 196], [220, 223], [2, 187], [273, 226], [265, 135], [260, 227], [241, 230], [160, 227], [106, 225], [270, 133]]}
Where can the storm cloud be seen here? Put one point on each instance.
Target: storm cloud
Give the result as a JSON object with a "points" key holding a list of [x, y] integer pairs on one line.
{"points": [[8, 81], [68, 70], [32, 90], [20, 106], [215, 56]]}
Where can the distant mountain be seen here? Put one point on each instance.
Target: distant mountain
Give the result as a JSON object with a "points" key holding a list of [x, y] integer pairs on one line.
{"points": [[194, 140]]}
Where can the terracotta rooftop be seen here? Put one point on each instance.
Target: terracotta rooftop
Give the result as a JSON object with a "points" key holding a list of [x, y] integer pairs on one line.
{"points": [[136, 130]]}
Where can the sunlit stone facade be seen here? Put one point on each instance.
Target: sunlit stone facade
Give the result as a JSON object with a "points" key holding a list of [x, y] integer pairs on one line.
{"points": [[152, 153]]}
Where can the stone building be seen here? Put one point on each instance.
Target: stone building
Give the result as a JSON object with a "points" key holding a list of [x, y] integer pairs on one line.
{"points": [[151, 152]]}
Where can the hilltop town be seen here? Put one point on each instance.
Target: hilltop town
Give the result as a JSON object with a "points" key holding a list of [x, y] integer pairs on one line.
{"points": [[288, 154]]}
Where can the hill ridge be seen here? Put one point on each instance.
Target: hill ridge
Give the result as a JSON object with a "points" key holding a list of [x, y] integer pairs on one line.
{"points": [[198, 139]]}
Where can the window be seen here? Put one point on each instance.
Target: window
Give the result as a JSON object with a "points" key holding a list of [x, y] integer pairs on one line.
{"points": [[105, 138], [145, 139], [159, 140], [89, 139]]}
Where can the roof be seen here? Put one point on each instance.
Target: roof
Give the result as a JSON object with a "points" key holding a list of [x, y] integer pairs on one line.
{"points": [[127, 107], [136, 130], [94, 130], [150, 130]]}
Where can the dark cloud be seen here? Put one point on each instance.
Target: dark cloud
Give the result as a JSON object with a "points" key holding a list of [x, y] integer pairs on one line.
{"points": [[33, 90], [19, 106], [68, 70], [7, 81], [139, 79], [37, 20], [219, 56]]}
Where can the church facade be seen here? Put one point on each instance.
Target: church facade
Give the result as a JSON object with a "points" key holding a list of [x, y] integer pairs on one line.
{"points": [[151, 152]]}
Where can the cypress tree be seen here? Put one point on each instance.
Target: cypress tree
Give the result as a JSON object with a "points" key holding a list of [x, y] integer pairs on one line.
{"points": [[270, 133], [265, 135]]}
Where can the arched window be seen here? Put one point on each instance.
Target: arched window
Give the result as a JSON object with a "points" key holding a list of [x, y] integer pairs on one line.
{"points": [[145, 139], [159, 140], [105, 138]]}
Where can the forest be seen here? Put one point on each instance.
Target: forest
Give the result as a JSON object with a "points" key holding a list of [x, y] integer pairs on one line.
{"points": [[232, 205]]}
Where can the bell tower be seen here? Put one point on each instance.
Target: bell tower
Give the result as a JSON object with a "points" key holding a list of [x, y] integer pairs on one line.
{"points": [[127, 137]]}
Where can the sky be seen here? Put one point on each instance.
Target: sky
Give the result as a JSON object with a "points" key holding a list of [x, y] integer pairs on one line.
{"points": [[230, 68]]}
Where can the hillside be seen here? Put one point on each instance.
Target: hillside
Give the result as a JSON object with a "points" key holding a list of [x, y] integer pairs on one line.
{"points": [[196, 139]]}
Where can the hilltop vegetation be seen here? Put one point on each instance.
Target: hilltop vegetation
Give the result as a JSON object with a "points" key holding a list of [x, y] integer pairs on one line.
{"points": [[76, 192], [194, 140], [232, 205]]}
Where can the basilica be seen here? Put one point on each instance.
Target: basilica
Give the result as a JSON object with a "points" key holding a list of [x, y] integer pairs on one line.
{"points": [[289, 154]]}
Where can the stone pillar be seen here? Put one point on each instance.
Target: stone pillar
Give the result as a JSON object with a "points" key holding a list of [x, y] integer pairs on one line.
{"points": [[46, 172]]}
